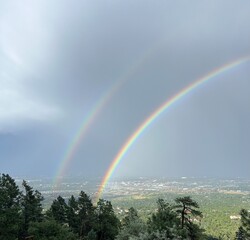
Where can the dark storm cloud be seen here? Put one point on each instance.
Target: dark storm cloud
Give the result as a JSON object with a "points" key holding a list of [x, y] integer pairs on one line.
{"points": [[66, 55]]}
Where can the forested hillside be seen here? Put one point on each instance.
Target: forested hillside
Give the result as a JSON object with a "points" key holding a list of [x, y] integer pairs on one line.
{"points": [[22, 217]]}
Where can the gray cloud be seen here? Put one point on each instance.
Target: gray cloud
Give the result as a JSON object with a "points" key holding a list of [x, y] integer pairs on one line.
{"points": [[58, 58]]}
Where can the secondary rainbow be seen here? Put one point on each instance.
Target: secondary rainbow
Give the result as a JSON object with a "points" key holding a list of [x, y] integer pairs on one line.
{"points": [[137, 133], [96, 110], [82, 130]]}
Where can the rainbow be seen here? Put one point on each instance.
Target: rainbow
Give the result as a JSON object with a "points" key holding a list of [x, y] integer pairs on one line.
{"points": [[138, 132], [95, 111], [81, 132]]}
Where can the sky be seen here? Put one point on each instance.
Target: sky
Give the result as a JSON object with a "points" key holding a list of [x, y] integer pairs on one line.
{"points": [[59, 59]]}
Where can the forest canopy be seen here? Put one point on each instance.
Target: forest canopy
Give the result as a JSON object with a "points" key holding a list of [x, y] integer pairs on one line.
{"points": [[22, 216]]}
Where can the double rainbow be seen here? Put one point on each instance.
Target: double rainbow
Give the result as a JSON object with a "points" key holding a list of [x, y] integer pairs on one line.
{"points": [[165, 106], [97, 108]]}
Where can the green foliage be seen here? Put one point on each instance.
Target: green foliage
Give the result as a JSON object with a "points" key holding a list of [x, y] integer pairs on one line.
{"points": [[72, 214], [21, 215], [132, 226], [31, 204], [216, 208], [9, 208], [187, 210], [165, 222], [240, 234], [156, 235], [50, 230], [58, 210], [244, 229], [108, 224], [92, 235], [80, 215], [164, 218], [85, 214], [195, 232]]}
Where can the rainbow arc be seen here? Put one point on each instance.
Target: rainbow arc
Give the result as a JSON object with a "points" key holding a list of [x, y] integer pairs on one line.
{"points": [[157, 113]]}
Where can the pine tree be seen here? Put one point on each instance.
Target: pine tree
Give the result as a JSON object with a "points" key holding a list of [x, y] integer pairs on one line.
{"points": [[165, 222], [240, 234], [50, 230], [187, 209], [9, 208], [86, 214], [31, 208], [80, 214], [132, 226], [244, 229], [58, 210], [91, 235], [72, 214], [108, 224]]}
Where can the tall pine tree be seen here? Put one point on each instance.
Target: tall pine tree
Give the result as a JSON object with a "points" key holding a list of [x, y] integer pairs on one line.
{"points": [[9, 208], [31, 208], [108, 224], [244, 230], [58, 210]]}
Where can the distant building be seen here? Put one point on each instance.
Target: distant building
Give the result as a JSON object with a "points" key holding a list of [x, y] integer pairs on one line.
{"points": [[235, 217]]}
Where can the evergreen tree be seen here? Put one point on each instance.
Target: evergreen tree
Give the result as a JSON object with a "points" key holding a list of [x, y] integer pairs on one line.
{"points": [[58, 210], [165, 222], [72, 214], [92, 235], [80, 214], [9, 208], [108, 224], [240, 234], [86, 214], [31, 208], [50, 230], [132, 226], [194, 231], [187, 209], [244, 229]]}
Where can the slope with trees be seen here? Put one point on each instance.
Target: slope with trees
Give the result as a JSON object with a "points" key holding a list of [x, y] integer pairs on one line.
{"points": [[22, 217]]}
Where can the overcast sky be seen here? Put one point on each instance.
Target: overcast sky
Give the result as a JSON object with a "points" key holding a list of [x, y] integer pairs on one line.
{"points": [[58, 58]]}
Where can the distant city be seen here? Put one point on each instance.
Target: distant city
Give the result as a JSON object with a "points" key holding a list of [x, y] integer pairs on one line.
{"points": [[139, 187]]}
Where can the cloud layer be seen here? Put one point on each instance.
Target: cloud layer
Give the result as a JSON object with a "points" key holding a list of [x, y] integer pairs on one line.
{"points": [[22, 48], [57, 60]]}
